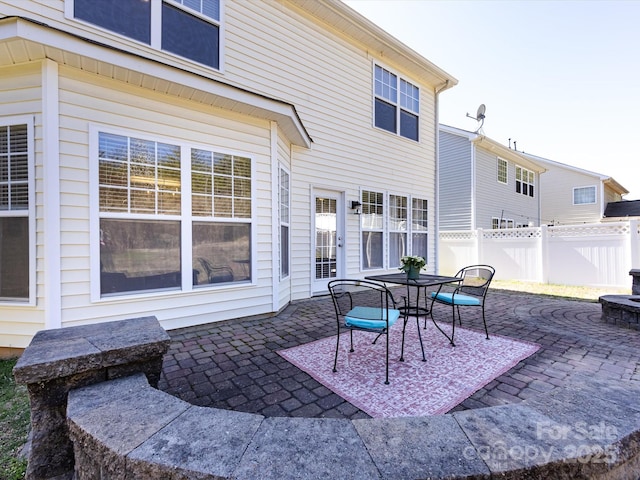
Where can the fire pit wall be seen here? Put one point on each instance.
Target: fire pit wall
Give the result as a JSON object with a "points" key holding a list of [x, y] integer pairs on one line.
{"points": [[623, 310]]}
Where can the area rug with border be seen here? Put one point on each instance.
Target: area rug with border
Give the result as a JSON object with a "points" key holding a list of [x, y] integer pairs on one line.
{"points": [[417, 388]]}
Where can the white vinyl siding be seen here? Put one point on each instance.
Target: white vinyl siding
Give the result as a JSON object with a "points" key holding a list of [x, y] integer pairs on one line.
{"points": [[557, 196], [299, 60], [88, 100]]}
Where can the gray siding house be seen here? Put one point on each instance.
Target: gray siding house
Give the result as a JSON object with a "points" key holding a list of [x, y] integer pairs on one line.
{"points": [[484, 184]]}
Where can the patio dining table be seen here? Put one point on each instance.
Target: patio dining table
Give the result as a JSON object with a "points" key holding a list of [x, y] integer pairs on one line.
{"points": [[423, 281]]}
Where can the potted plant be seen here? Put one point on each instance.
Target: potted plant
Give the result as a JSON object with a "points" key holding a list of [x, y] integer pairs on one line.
{"points": [[411, 265]]}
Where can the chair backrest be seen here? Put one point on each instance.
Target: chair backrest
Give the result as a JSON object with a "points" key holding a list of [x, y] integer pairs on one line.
{"points": [[475, 279], [347, 293]]}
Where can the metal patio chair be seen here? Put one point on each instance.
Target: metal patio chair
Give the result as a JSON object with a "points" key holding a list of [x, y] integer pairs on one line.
{"points": [[366, 306], [470, 292]]}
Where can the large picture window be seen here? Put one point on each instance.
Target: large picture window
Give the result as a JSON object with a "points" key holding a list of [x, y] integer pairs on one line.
{"points": [[143, 216], [396, 104], [15, 210], [189, 28]]}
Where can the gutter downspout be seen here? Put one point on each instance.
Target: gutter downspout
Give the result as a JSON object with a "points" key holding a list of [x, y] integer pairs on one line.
{"points": [[437, 175]]}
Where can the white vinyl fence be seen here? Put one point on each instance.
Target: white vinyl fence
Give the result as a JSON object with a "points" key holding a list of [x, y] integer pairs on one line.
{"points": [[596, 255]]}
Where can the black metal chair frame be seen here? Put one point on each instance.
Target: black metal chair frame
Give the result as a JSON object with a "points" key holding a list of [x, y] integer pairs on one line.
{"points": [[465, 287], [342, 293]]}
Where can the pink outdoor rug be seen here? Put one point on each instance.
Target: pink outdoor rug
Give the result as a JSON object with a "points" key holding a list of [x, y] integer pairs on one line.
{"points": [[416, 388]]}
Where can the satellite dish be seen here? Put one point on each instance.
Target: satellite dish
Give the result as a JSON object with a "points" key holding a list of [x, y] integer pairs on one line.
{"points": [[479, 116], [480, 112]]}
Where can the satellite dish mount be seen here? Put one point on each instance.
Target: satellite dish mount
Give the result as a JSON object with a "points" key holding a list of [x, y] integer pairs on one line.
{"points": [[479, 116]]}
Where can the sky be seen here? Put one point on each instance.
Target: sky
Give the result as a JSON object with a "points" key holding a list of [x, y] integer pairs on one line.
{"points": [[561, 79]]}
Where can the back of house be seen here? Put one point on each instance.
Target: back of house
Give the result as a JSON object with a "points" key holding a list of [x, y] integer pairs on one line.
{"points": [[204, 161]]}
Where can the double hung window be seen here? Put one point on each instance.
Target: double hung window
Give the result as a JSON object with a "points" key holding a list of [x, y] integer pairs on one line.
{"points": [[396, 104], [584, 195], [502, 170], [525, 180], [284, 201], [392, 226], [16, 210], [145, 224], [189, 28]]}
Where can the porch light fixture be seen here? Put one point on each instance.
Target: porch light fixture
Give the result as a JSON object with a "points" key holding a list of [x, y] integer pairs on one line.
{"points": [[355, 205]]}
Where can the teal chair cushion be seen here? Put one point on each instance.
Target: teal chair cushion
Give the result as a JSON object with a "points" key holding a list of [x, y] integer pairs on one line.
{"points": [[370, 317], [459, 299]]}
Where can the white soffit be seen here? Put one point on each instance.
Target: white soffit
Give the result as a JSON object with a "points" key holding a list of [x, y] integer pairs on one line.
{"points": [[23, 41]]}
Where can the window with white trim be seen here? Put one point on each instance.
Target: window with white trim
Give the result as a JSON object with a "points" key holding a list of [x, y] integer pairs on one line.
{"points": [[391, 230], [502, 170], [189, 28], [584, 195], [142, 215], [285, 213], [16, 210], [502, 223], [419, 227], [396, 104], [398, 216], [525, 180], [372, 225]]}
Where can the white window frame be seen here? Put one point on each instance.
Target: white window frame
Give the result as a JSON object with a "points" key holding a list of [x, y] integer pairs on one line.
{"points": [[284, 222], [401, 103], [156, 27], [530, 181], [502, 161], [30, 212], [186, 217], [386, 229], [585, 188]]}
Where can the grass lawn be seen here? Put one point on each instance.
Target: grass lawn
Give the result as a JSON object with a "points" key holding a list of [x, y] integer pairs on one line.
{"points": [[570, 292], [14, 423]]}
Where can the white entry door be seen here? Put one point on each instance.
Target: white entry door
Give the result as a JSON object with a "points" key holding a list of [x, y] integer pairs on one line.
{"points": [[328, 239]]}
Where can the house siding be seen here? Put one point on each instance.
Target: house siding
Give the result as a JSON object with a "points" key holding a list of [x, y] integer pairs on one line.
{"points": [[495, 199], [274, 49], [21, 96], [456, 182], [557, 197], [87, 100]]}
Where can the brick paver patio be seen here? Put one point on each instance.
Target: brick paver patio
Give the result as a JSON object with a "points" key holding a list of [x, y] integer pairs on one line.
{"points": [[234, 365]]}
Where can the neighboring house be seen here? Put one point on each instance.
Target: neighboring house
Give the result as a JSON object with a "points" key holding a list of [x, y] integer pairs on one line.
{"points": [[484, 184], [203, 161], [572, 195]]}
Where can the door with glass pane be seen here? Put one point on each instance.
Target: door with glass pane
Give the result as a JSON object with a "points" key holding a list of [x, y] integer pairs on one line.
{"points": [[328, 239]]}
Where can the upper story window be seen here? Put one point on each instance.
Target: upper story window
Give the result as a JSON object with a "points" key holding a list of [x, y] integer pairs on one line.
{"points": [[524, 181], [17, 259], [584, 195], [397, 104], [502, 170], [189, 28]]}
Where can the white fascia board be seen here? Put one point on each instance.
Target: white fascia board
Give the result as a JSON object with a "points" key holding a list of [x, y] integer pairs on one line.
{"points": [[41, 41]]}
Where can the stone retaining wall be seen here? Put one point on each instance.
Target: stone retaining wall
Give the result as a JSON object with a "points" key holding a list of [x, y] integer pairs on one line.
{"points": [[57, 361], [123, 428]]}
